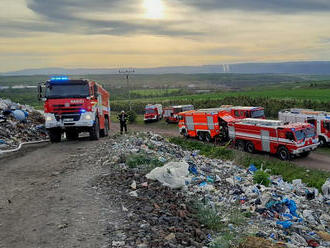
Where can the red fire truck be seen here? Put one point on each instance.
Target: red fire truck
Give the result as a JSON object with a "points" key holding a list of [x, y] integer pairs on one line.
{"points": [[153, 112], [207, 124], [320, 120], [170, 114], [274, 137], [74, 106]]}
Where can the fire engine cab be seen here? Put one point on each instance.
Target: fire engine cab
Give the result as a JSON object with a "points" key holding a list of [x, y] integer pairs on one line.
{"points": [[274, 137], [74, 106], [170, 114], [320, 120], [153, 112]]}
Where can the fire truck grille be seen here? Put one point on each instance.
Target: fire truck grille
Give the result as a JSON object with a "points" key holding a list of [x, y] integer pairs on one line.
{"points": [[72, 116], [62, 105], [67, 109]]}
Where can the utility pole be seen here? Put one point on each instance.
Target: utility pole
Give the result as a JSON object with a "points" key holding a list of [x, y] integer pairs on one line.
{"points": [[128, 72]]}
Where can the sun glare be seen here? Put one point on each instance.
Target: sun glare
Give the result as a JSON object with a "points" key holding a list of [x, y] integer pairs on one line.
{"points": [[154, 9]]}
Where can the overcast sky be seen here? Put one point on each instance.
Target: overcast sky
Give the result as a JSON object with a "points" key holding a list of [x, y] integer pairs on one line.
{"points": [[151, 33]]}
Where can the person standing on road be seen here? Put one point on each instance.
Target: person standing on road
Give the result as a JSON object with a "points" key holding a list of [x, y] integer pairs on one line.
{"points": [[122, 117]]}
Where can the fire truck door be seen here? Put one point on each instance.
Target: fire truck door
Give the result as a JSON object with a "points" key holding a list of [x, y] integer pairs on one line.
{"points": [[190, 123], [210, 122], [265, 141]]}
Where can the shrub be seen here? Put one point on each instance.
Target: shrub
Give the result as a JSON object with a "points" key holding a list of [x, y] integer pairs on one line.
{"points": [[261, 177], [131, 116]]}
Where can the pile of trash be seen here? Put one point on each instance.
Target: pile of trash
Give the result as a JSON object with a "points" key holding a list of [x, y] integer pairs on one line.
{"points": [[285, 213], [19, 124]]}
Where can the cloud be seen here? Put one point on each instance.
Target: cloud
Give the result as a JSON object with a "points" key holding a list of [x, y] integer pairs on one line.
{"points": [[83, 16], [274, 6]]}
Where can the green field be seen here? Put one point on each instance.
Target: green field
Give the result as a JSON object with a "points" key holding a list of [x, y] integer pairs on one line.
{"points": [[274, 92], [302, 94], [155, 92]]}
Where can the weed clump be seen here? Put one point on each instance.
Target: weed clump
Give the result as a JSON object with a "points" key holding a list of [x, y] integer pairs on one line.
{"points": [[143, 161], [261, 177]]}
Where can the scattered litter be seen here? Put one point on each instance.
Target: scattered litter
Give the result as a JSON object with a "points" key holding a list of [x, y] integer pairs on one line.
{"points": [[19, 124], [283, 214]]}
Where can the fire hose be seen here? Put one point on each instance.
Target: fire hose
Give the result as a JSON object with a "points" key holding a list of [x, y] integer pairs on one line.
{"points": [[21, 145]]}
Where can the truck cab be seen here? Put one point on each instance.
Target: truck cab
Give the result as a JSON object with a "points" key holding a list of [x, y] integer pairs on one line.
{"points": [[153, 112], [319, 119], [75, 106]]}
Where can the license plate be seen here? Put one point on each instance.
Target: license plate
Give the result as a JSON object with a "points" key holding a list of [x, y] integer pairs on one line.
{"points": [[68, 120]]}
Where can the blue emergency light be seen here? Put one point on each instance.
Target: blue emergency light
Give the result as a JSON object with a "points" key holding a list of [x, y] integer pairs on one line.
{"points": [[59, 79], [83, 111]]}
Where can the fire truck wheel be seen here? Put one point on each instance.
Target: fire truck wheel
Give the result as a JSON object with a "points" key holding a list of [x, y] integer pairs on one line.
{"points": [[250, 147], [55, 135], [240, 145], [105, 132], [284, 153], [94, 132], [201, 136], [72, 135], [106, 129], [208, 137], [322, 141], [305, 154]]}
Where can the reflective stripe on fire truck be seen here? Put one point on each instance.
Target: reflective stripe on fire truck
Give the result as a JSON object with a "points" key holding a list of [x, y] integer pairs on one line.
{"points": [[265, 139], [210, 122]]}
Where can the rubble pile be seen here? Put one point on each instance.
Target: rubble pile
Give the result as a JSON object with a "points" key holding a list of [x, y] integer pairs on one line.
{"points": [[18, 124], [286, 214]]}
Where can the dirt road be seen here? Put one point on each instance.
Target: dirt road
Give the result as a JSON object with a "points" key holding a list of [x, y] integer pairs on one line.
{"points": [[46, 199], [314, 161]]}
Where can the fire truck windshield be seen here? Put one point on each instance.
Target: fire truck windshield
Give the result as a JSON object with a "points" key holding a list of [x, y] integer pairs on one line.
{"points": [[177, 110], [258, 113], [150, 111], [300, 135], [57, 91], [310, 132]]}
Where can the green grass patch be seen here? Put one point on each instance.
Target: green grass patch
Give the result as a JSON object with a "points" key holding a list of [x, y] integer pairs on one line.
{"points": [[143, 161], [222, 221], [205, 149], [154, 92], [288, 170], [324, 150]]}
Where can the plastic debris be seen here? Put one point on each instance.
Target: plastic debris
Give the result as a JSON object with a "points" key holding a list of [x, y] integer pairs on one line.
{"points": [[326, 188], [252, 168], [193, 169], [285, 224], [173, 174]]}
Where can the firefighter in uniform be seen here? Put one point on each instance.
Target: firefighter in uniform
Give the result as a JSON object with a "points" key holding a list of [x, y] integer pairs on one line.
{"points": [[122, 117]]}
